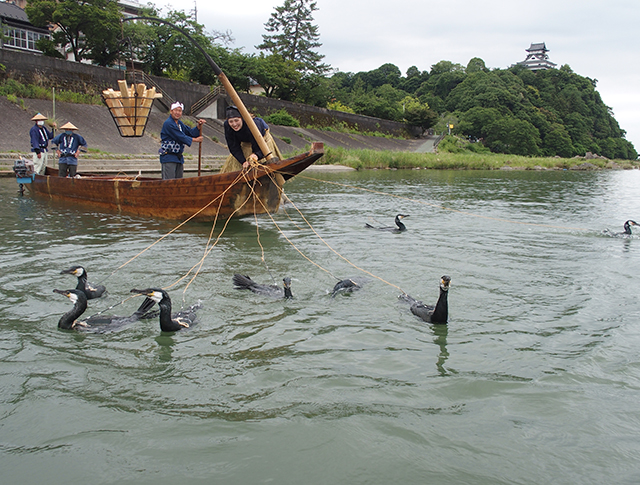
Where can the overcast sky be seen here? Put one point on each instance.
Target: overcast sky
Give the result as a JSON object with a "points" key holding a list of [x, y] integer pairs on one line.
{"points": [[596, 38]]}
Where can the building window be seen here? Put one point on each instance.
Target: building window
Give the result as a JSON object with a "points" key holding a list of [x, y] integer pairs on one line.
{"points": [[22, 39]]}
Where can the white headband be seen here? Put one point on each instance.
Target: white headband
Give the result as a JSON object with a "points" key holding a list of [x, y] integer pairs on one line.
{"points": [[177, 104]]}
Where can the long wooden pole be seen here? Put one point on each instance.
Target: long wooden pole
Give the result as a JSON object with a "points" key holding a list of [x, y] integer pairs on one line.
{"points": [[246, 116], [200, 153]]}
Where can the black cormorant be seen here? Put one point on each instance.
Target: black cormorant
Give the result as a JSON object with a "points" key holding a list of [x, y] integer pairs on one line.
{"points": [[89, 289], [345, 286], [245, 283], [97, 323], [170, 322], [401, 227], [627, 230], [429, 313]]}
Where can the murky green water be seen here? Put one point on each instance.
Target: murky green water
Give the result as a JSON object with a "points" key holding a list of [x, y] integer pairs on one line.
{"points": [[535, 380]]}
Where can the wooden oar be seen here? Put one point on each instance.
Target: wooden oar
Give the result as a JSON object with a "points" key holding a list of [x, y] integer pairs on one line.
{"points": [[246, 116]]}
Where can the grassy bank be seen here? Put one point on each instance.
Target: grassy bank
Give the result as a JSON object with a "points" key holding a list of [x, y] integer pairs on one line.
{"points": [[371, 159]]}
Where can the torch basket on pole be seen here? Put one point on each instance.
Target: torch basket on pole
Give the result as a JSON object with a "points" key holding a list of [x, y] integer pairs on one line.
{"points": [[130, 107]]}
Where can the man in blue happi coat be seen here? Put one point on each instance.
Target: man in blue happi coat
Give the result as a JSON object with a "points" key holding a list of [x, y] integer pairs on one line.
{"points": [[40, 137], [69, 144], [175, 135]]}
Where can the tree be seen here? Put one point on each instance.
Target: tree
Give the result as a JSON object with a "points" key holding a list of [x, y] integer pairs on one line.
{"points": [[87, 27], [418, 114], [294, 36], [277, 76]]}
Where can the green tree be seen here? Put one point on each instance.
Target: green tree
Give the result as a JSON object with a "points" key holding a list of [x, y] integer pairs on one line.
{"points": [[418, 114], [476, 65], [279, 77], [88, 27], [293, 36], [558, 142], [511, 135]]}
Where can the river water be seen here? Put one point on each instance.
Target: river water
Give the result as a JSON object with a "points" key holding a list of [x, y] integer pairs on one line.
{"points": [[535, 380]]}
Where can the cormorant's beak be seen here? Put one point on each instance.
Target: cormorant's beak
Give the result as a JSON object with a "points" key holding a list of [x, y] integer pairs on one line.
{"points": [[68, 271], [62, 292], [146, 292]]}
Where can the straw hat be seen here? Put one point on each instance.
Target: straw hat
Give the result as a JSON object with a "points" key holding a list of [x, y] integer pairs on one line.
{"points": [[68, 126], [39, 117]]}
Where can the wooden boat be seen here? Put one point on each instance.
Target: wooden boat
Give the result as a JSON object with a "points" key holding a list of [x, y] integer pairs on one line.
{"points": [[243, 193]]}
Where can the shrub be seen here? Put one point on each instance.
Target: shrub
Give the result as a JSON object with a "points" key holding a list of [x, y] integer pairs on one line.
{"points": [[282, 118]]}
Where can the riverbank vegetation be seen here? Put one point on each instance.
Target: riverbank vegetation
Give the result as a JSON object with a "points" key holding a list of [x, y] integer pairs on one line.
{"points": [[463, 160], [13, 90]]}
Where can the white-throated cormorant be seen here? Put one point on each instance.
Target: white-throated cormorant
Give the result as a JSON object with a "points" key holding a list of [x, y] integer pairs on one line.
{"points": [[429, 313], [242, 282], [170, 322], [627, 230], [90, 290], [97, 323], [345, 286], [398, 220]]}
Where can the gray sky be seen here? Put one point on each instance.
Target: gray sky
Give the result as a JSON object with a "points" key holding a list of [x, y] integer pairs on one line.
{"points": [[596, 38]]}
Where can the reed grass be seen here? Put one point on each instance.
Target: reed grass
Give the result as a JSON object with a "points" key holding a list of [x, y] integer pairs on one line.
{"points": [[372, 159]]}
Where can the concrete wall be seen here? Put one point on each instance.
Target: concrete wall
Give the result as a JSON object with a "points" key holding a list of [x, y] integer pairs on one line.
{"points": [[85, 78], [322, 117]]}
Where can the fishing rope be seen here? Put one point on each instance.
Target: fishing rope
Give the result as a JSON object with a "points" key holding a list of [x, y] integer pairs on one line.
{"points": [[109, 308], [207, 250], [498, 219], [269, 174]]}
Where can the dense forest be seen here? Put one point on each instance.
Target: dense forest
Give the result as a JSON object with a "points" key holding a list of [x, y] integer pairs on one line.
{"points": [[512, 110], [515, 110]]}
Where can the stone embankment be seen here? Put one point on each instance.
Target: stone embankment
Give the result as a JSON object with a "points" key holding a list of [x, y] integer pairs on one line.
{"points": [[111, 153]]}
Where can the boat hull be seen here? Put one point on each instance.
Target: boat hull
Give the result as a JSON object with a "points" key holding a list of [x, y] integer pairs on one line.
{"points": [[233, 194]]}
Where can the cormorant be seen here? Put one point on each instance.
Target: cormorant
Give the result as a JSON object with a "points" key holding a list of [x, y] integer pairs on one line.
{"points": [[345, 286], [170, 322], [401, 227], [429, 313], [89, 289], [245, 283], [97, 323], [627, 230]]}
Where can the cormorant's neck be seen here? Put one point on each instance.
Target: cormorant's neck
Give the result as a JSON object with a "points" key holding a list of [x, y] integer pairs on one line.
{"points": [[166, 322], [287, 292], [627, 228], [67, 320], [441, 312], [82, 282]]}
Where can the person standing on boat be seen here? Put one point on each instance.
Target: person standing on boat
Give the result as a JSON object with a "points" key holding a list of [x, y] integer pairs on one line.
{"points": [[69, 144], [242, 144], [175, 135], [40, 137]]}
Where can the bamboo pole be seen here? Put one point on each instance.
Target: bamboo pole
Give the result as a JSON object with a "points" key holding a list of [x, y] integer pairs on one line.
{"points": [[246, 116]]}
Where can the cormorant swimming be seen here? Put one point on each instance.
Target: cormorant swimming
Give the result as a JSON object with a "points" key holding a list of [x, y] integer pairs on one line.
{"points": [[90, 290], [245, 283], [345, 286], [97, 323], [429, 313], [627, 230], [170, 322], [401, 227]]}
